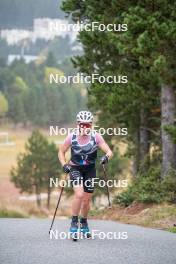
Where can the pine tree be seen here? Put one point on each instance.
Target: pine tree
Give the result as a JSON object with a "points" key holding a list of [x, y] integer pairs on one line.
{"points": [[36, 166], [146, 54]]}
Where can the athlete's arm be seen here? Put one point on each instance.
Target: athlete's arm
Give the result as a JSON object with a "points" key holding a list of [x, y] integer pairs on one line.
{"points": [[63, 149], [106, 149], [103, 146]]}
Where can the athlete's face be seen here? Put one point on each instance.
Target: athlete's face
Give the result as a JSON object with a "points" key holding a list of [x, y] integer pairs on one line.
{"points": [[84, 128]]}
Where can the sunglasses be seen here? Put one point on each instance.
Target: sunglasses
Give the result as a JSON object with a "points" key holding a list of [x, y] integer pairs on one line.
{"points": [[85, 125]]}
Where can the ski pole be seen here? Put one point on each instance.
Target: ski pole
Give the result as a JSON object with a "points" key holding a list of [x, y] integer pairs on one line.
{"points": [[107, 188], [62, 188]]}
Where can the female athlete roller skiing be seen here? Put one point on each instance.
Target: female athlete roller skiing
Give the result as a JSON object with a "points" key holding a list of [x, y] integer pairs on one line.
{"points": [[81, 167]]}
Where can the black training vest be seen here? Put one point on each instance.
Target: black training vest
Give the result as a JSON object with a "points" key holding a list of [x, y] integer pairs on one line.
{"points": [[84, 154]]}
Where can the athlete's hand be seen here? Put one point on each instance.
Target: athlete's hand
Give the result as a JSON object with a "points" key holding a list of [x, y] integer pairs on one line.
{"points": [[66, 168], [104, 159]]}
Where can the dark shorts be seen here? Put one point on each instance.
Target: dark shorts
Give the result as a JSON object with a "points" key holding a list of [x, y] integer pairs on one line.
{"points": [[83, 175]]}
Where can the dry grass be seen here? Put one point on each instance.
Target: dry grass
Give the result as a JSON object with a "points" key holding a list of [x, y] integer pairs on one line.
{"points": [[30, 208], [8, 154], [155, 216], [9, 194]]}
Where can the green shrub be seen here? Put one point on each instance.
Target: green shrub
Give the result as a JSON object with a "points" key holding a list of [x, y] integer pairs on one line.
{"points": [[169, 186], [150, 188], [4, 213], [146, 188], [172, 229], [125, 198]]}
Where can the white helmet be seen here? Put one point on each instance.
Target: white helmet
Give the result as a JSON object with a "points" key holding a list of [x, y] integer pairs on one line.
{"points": [[84, 116]]}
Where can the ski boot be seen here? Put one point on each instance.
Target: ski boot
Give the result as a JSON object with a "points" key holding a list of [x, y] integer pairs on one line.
{"points": [[84, 228], [74, 228]]}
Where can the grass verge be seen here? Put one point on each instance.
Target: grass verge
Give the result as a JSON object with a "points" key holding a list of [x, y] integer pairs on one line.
{"points": [[161, 216], [5, 213]]}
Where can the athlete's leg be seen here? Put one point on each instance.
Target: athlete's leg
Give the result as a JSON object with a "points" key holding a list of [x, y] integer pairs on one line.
{"points": [[86, 204], [88, 191], [84, 213], [76, 178], [77, 200], [88, 177]]}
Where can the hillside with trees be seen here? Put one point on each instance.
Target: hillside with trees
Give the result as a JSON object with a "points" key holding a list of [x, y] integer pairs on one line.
{"points": [[28, 97], [147, 104]]}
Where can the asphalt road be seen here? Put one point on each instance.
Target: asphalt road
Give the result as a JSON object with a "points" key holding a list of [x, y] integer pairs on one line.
{"points": [[26, 241]]}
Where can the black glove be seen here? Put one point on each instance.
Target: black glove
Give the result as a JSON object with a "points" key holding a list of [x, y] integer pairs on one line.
{"points": [[66, 168], [104, 159]]}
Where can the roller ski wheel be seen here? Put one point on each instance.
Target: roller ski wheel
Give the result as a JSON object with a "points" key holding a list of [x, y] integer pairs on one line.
{"points": [[86, 233], [74, 237], [74, 232]]}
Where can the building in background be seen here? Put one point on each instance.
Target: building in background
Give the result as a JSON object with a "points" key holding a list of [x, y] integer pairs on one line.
{"points": [[43, 28]]}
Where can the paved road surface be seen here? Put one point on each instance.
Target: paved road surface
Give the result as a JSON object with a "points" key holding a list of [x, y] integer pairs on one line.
{"points": [[26, 241]]}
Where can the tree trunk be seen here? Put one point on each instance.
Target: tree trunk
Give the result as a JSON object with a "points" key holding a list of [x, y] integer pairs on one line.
{"points": [[144, 141], [38, 196], [136, 159], [168, 112], [48, 197]]}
